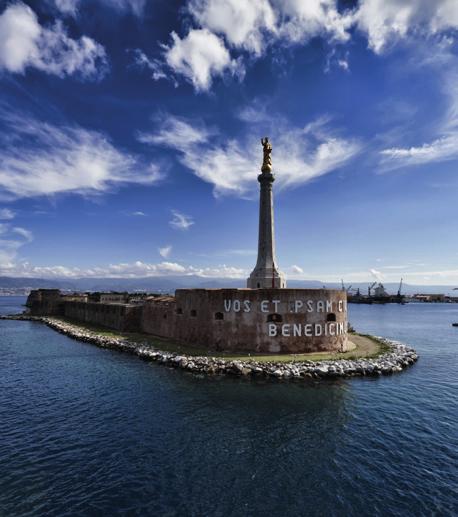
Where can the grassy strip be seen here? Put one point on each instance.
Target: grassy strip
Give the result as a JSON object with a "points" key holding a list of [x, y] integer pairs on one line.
{"points": [[365, 346]]}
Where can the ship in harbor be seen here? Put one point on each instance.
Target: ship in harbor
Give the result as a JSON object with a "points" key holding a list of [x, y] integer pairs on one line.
{"points": [[376, 293]]}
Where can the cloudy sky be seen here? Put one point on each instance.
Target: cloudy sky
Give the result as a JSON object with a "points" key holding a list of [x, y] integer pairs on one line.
{"points": [[130, 137]]}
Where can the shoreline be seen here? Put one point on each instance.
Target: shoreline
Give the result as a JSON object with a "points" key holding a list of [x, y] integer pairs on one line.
{"points": [[396, 359]]}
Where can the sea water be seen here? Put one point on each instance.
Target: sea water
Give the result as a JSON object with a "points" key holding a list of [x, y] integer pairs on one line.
{"points": [[86, 431]]}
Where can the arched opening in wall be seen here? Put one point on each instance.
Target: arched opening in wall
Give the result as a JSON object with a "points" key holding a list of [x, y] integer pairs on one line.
{"points": [[276, 318], [165, 315], [193, 313], [258, 285], [331, 317], [179, 310], [219, 316]]}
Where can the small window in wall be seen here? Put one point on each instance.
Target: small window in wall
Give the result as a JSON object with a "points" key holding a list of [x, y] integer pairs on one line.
{"points": [[165, 315], [276, 318], [219, 316], [179, 310], [193, 313], [331, 317], [259, 285]]}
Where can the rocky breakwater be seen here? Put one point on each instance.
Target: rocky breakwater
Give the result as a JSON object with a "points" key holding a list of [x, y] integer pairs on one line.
{"points": [[397, 357]]}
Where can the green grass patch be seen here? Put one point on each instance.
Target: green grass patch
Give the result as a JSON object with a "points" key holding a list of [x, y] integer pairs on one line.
{"points": [[366, 346]]}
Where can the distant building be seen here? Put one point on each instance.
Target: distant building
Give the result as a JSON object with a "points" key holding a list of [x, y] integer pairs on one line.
{"points": [[110, 297], [437, 298]]}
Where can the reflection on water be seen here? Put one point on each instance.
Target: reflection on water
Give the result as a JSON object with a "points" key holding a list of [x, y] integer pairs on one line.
{"points": [[87, 431]]}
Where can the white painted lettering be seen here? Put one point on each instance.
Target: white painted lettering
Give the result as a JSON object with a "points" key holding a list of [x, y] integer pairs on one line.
{"points": [[227, 305], [275, 302], [236, 305], [320, 306], [272, 329], [341, 328], [340, 305], [318, 330], [285, 330], [308, 330], [297, 330], [246, 306], [298, 304], [332, 329], [309, 306], [265, 306]]}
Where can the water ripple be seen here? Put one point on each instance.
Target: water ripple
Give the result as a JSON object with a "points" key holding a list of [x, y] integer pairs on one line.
{"points": [[86, 431]]}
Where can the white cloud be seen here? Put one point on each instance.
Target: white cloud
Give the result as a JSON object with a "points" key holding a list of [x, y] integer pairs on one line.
{"points": [[445, 144], [298, 157], [41, 159], [27, 234], [180, 221], [138, 213], [297, 270], [376, 274], [303, 20], [176, 132], [255, 113], [199, 57], [135, 6], [153, 65], [241, 23], [10, 245], [387, 21], [165, 251], [6, 214], [442, 149], [70, 7], [224, 28], [138, 269], [248, 26], [27, 44]]}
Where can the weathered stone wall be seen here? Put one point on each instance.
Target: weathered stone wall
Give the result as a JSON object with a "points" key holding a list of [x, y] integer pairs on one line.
{"points": [[253, 320], [159, 316], [45, 301], [115, 316], [237, 320]]}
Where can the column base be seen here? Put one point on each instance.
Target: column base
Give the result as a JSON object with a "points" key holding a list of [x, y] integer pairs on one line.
{"points": [[266, 279]]}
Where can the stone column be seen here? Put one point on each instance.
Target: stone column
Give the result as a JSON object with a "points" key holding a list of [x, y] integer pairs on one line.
{"points": [[266, 273]]}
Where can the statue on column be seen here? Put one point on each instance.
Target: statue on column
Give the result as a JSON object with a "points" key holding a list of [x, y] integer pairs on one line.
{"points": [[267, 161]]}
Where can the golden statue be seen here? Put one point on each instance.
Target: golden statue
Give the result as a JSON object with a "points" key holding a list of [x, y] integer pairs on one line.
{"points": [[267, 161]]}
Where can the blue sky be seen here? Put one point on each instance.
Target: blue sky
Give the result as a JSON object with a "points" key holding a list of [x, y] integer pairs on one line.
{"points": [[130, 137]]}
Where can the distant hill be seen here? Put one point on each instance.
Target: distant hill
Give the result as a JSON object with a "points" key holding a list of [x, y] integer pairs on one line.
{"points": [[170, 283]]}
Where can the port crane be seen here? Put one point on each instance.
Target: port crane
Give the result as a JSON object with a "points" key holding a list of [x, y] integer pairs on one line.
{"points": [[345, 288], [369, 289]]}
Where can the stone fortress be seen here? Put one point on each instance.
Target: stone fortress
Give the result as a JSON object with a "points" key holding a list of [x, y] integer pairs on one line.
{"points": [[266, 317]]}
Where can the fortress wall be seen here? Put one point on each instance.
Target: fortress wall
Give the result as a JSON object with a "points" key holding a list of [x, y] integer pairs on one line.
{"points": [[158, 318], [233, 320], [115, 316], [262, 320], [45, 301]]}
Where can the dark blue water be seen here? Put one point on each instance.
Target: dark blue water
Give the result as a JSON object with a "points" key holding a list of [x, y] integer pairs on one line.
{"points": [[85, 431]]}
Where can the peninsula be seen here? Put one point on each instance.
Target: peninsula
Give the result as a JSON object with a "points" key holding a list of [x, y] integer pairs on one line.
{"points": [[266, 320]]}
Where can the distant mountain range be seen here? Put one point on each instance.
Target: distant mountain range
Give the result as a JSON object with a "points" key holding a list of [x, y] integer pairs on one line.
{"points": [[170, 283]]}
